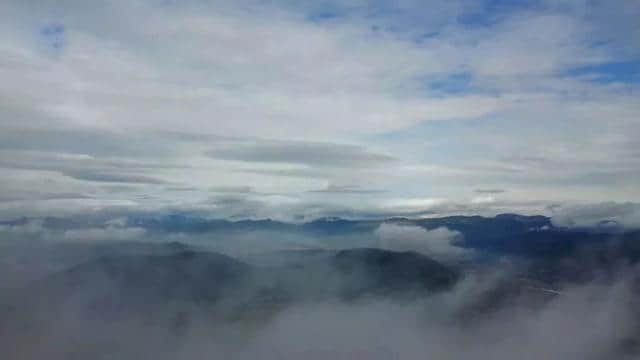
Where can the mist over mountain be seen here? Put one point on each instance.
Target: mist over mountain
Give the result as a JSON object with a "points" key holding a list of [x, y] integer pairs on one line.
{"points": [[517, 282], [335, 179]]}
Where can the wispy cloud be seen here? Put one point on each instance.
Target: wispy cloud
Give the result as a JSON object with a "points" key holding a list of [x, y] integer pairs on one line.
{"points": [[345, 189], [312, 154]]}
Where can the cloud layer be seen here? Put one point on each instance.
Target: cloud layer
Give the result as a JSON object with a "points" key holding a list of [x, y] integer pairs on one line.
{"points": [[124, 102]]}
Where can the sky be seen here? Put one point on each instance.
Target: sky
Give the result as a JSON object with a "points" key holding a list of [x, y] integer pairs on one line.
{"points": [[299, 109]]}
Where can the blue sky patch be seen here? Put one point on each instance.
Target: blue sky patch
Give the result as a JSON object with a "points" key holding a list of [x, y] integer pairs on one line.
{"points": [[493, 11], [53, 35], [621, 71], [324, 15], [453, 84]]}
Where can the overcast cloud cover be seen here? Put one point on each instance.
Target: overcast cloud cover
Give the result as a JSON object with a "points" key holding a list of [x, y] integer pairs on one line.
{"points": [[290, 109]]}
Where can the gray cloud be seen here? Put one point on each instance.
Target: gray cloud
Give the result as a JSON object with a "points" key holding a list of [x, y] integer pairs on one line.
{"points": [[304, 173], [85, 167], [34, 195], [120, 188], [98, 176], [181, 188], [490, 191], [94, 142], [231, 189], [346, 189], [312, 154]]}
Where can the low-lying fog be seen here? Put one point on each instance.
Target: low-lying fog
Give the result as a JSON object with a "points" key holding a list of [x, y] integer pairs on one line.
{"points": [[55, 294]]}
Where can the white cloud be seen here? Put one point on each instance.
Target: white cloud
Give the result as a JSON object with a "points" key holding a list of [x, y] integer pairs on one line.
{"points": [[483, 200], [30, 229], [438, 243], [599, 215], [109, 233]]}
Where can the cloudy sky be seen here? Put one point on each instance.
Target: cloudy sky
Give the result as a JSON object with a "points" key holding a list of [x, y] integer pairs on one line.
{"points": [[295, 109]]}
